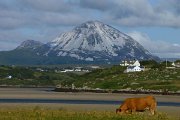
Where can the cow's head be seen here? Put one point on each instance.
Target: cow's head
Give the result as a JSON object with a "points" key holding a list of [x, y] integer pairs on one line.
{"points": [[118, 110]]}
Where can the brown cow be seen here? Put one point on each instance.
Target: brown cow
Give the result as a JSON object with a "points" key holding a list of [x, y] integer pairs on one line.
{"points": [[138, 104]]}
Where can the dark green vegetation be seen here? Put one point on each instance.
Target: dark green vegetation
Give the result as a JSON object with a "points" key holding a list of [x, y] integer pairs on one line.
{"points": [[27, 57], [157, 77], [44, 114], [26, 76]]}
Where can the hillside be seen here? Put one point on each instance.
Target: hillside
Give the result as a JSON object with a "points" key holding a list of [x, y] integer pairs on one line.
{"points": [[114, 78], [156, 78]]}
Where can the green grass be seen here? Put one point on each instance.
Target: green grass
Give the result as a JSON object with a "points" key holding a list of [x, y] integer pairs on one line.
{"points": [[115, 78], [47, 114], [24, 76]]}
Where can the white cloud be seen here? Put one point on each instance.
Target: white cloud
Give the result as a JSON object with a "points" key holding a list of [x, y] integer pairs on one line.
{"points": [[160, 48], [101, 5], [21, 13], [137, 12], [47, 5]]}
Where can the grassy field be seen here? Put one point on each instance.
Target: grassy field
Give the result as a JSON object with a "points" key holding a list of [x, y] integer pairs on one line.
{"points": [[47, 114]]}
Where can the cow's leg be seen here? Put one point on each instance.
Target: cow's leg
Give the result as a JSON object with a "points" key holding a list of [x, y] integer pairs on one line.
{"points": [[153, 108], [133, 110], [152, 111]]}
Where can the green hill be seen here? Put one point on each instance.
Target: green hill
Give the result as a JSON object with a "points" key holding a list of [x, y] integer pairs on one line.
{"points": [[115, 78]]}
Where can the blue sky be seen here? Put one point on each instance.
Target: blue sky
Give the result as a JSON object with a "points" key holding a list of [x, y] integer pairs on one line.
{"points": [[153, 23]]}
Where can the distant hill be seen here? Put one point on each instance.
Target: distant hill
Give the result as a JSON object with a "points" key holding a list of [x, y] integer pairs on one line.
{"points": [[91, 42], [170, 59]]}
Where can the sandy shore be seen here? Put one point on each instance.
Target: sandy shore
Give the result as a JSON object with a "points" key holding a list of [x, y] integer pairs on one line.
{"points": [[33, 93], [44, 93]]}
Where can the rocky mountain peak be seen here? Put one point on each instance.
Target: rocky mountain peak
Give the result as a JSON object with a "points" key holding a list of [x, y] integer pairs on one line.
{"points": [[29, 44], [94, 40], [90, 25]]}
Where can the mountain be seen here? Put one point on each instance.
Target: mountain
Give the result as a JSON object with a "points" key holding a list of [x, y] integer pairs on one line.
{"points": [[95, 41], [30, 44], [90, 42]]}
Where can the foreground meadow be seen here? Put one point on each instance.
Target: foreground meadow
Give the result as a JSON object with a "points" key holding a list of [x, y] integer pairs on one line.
{"points": [[48, 114]]}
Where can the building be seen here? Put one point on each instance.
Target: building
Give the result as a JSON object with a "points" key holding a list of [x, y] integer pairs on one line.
{"points": [[136, 63], [95, 67], [68, 70], [135, 67], [176, 64], [78, 69], [9, 77], [127, 62]]}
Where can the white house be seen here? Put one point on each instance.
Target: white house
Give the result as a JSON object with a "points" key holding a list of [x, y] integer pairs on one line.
{"points": [[173, 64], [67, 70], [78, 69], [177, 64], [127, 63], [136, 67], [9, 77], [136, 63], [95, 67]]}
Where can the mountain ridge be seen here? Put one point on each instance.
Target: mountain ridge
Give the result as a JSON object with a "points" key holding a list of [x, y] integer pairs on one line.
{"points": [[90, 42], [31, 44]]}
